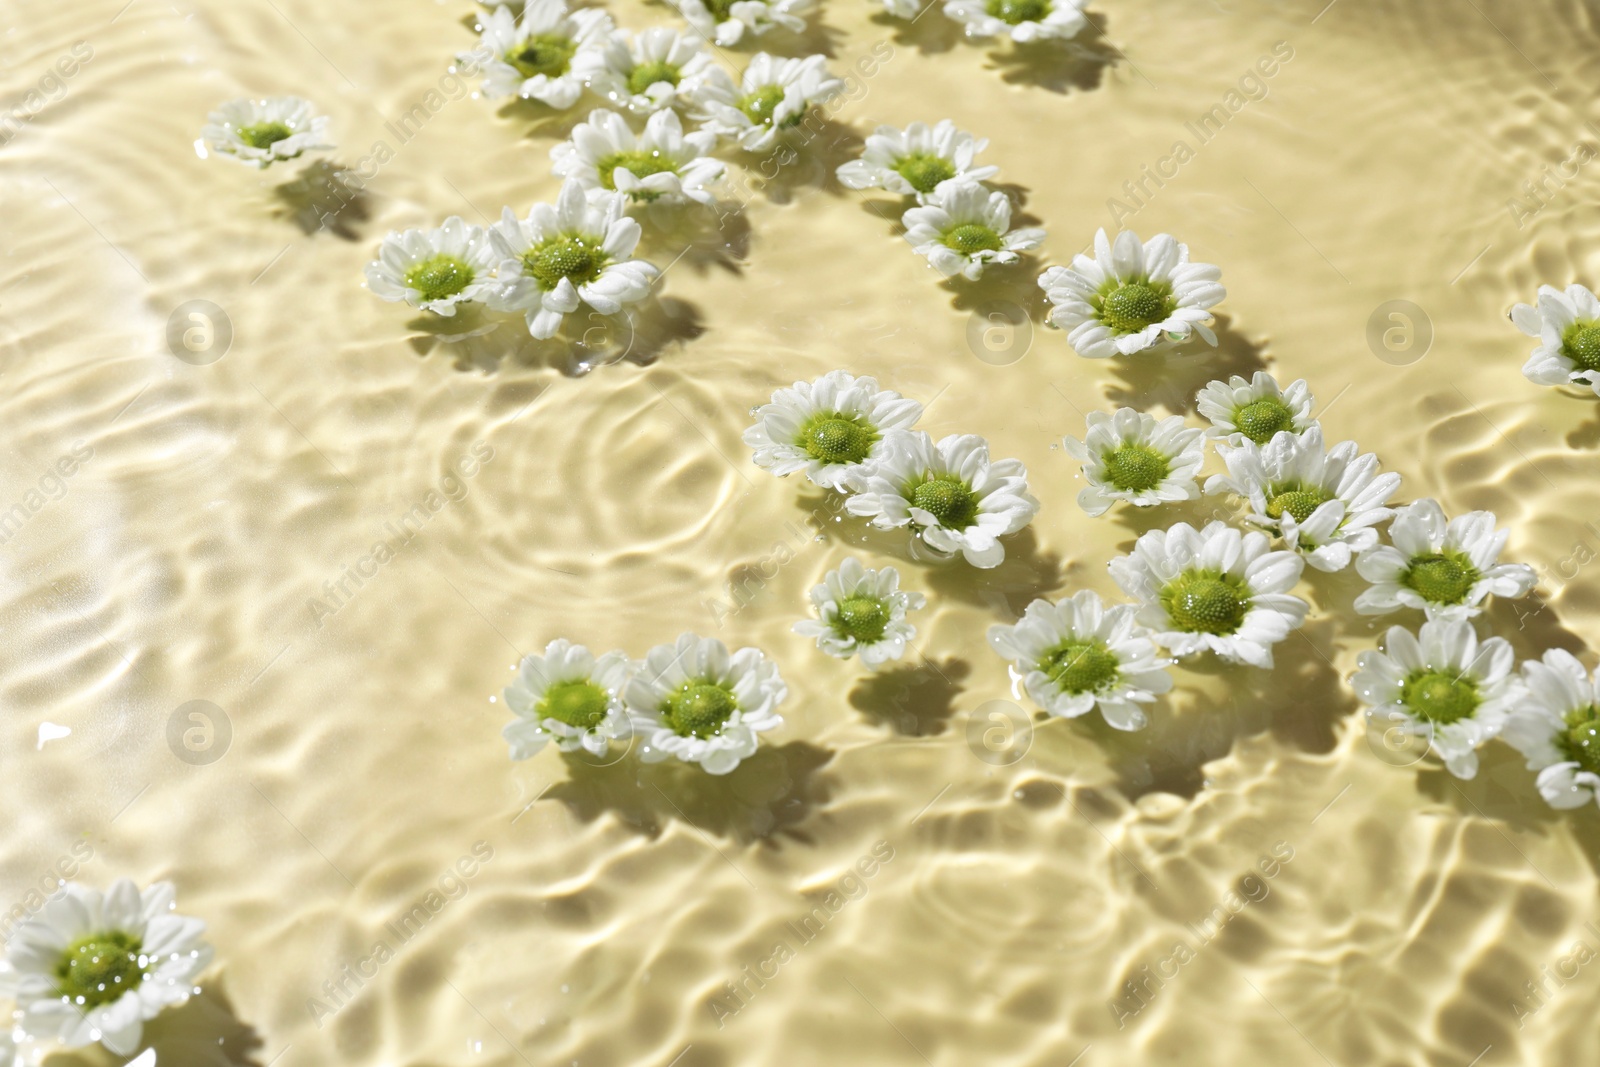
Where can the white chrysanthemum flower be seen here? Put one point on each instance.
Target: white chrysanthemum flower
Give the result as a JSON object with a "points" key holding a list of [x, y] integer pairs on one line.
{"points": [[435, 269], [1132, 296], [1442, 684], [1555, 723], [573, 252], [1076, 654], [547, 53], [661, 165], [861, 611], [964, 226], [828, 428], [951, 494], [916, 161], [1129, 455], [94, 966], [694, 701], [1323, 502], [1020, 20], [1256, 410], [725, 22], [650, 70], [264, 132], [1218, 588], [773, 96], [570, 697], [1568, 328], [1443, 567]]}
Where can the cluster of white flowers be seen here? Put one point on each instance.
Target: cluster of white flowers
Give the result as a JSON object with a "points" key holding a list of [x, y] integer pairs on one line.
{"points": [[1022, 21]]}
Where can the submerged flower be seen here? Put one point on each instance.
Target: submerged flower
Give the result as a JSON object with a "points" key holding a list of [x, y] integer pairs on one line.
{"points": [[773, 95], [264, 132], [1443, 567], [861, 611], [575, 251], [1256, 410], [963, 226], [951, 495], [1021, 20], [1442, 684], [651, 69], [1076, 654], [662, 164], [694, 701], [94, 966], [1131, 295], [569, 696], [1323, 502], [917, 160], [1217, 588], [434, 269], [1568, 328], [727, 21], [1556, 725], [828, 428], [1129, 455], [544, 54]]}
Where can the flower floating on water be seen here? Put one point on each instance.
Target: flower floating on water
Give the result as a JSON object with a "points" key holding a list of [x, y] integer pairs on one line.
{"points": [[544, 54], [1216, 589], [1568, 328], [1132, 295], [861, 611], [650, 70], [773, 95], [1443, 567], [662, 164], [263, 132], [94, 966], [1077, 654], [828, 428], [951, 495], [570, 697], [963, 226], [727, 21], [1129, 455], [1442, 684], [1021, 20], [694, 701], [1556, 725], [1323, 502], [574, 252], [1256, 410], [434, 269], [916, 161]]}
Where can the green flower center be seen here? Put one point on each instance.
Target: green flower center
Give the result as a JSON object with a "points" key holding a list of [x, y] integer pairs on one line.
{"points": [[862, 617], [1260, 419], [1133, 467], [924, 172], [1442, 578], [972, 237], [264, 134], [698, 709], [639, 164], [581, 704], [1015, 11], [647, 74], [1081, 666], [761, 104], [1581, 740], [834, 437], [566, 256], [1298, 500], [947, 499], [549, 54], [1206, 602], [721, 10], [1581, 344], [100, 968], [1131, 307], [1440, 697], [439, 277]]}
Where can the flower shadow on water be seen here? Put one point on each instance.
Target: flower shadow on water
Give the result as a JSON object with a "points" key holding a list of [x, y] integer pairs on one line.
{"points": [[1058, 66], [809, 158], [540, 121], [817, 37], [915, 699], [1015, 284], [1027, 573], [1171, 377], [930, 33], [699, 238], [203, 1032], [324, 196]]}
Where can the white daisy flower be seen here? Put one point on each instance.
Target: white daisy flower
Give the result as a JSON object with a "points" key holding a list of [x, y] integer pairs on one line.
{"points": [[573, 252], [547, 53], [264, 132], [694, 701], [828, 428], [1323, 502], [94, 966], [660, 165], [774, 95], [726, 22], [570, 697], [649, 70], [1556, 725], [950, 494], [1132, 295], [916, 161], [1132, 456], [1020, 20], [1077, 654], [435, 269], [1256, 410], [1568, 328], [1442, 684], [1443, 567], [861, 611], [1216, 589], [962, 226]]}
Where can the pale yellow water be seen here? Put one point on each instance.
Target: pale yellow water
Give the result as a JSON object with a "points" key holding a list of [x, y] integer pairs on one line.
{"points": [[616, 508]]}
